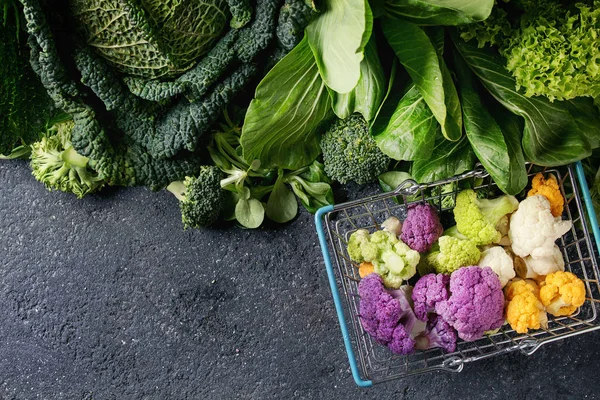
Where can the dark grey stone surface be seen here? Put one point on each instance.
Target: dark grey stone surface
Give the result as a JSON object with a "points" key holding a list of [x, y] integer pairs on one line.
{"points": [[109, 298]]}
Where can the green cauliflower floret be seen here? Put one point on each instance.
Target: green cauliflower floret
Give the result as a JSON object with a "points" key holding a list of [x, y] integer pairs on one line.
{"points": [[56, 164], [200, 198], [350, 153], [392, 259], [477, 218], [397, 264], [360, 246], [449, 254]]}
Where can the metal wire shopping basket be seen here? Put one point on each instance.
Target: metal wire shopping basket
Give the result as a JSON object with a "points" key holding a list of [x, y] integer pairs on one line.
{"points": [[372, 363]]}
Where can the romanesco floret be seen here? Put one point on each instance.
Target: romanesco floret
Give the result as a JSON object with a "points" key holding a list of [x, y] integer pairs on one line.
{"points": [[200, 198], [451, 253], [477, 218], [350, 153], [56, 164]]}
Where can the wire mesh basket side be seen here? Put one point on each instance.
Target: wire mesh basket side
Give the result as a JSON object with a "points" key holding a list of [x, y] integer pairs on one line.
{"points": [[376, 362]]}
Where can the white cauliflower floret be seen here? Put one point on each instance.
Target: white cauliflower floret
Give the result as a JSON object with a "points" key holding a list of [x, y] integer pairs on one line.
{"points": [[533, 228], [500, 262], [546, 265]]}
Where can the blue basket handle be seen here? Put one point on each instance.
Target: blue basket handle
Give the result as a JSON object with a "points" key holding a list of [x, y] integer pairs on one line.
{"points": [[587, 198], [336, 296]]}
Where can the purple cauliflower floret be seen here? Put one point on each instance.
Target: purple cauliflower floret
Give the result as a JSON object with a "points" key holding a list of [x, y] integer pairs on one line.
{"points": [[428, 291], [387, 314], [476, 303], [422, 227], [438, 333]]}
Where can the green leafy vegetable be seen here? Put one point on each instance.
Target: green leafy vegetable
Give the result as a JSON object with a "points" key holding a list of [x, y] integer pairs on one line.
{"points": [[25, 108], [440, 12], [405, 129], [156, 139], [487, 137], [280, 128], [282, 205], [551, 136], [392, 179], [428, 72], [248, 211], [367, 96], [448, 159], [241, 12], [150, 38], [313, 195], [337, 38]]}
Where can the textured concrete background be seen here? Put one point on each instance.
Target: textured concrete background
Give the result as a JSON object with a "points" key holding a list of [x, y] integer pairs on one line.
{"points": [[109, 298]]}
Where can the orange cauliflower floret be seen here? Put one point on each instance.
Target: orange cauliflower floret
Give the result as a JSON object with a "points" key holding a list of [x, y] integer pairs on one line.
{"points": [[519, 286], [562, 293], [549, 189], [365, 268], [524, 310]]}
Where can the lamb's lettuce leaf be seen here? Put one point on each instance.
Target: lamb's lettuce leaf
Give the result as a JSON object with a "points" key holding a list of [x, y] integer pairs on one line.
{"points": [[429, 73], [337, 38], [280, 127], [282, 205], [440, 12]]}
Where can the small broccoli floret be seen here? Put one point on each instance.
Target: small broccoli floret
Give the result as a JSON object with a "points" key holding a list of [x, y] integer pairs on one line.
{"points": [[57, 165], [200, 198], [350, 153], [477, 218]]}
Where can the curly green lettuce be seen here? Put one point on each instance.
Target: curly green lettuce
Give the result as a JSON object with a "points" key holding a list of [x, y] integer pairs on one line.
{"points": [[551, 49]]}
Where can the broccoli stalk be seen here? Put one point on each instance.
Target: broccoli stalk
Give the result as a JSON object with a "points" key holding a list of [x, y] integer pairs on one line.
{"points": [[200, 197], [56, 164]]}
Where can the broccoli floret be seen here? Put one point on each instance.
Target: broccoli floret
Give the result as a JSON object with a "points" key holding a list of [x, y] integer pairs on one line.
{"points": [[200, 198], [56, 164], [477, 218], [350, 153]]}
